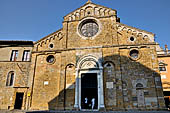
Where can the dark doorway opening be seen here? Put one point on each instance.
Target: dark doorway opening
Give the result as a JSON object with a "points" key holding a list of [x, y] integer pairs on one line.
{"points": [[167, 101], [89, 91], [18, 100], [167, 98]]}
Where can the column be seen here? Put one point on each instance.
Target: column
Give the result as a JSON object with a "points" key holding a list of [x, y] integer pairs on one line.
{"points": [[76, 105], [101, 90]]}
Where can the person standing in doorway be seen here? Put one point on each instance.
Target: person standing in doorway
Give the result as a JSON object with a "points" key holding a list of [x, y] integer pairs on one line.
{"points": [[86, 102], [93, 103]]}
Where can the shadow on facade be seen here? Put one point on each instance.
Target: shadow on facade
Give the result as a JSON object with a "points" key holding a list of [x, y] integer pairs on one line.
{"points": [[129, 83]]}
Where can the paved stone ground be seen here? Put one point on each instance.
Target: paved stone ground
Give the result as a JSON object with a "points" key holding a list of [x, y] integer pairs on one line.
{"points": [[17, 111], [104, 112]]}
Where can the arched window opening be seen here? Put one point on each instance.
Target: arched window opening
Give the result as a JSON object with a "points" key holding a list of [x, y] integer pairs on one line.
{"points": [[162, 66], [70, 66], [10, 79], [108, 65], [139, 86], [109, 68]]}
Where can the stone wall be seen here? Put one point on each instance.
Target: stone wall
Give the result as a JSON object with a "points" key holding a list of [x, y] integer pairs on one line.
{"points": [[21, 76], [120, 80]]}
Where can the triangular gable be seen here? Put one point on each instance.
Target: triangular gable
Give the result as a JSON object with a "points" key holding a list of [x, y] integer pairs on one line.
{"points": [[145, 34], [90, 9], [55, 35]]}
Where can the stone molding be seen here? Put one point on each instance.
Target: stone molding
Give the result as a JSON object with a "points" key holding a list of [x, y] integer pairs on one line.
{"points": [[144, 34], [90, 9], [56, 35]]}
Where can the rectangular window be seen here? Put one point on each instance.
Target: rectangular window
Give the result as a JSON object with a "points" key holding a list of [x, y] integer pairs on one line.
{"points": [[14, 55], [26, 55], [162, 68], [163, 76]]}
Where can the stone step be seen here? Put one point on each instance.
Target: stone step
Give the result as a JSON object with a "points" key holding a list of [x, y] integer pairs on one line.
{"points": [[12, 111]]}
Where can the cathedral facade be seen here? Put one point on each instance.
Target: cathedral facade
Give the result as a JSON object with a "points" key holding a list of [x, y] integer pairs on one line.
{"points": [[93, 63]]}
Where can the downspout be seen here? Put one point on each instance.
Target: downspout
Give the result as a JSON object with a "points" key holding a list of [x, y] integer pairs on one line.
{"points": [[67, 36], [65, 88], [33, 80], [64, 103], [120, 68]]}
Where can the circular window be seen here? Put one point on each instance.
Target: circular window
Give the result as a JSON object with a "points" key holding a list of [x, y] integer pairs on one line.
{"points": [[50, 59], [134, 54], [88, 28], [132, 39], [51, 46]]}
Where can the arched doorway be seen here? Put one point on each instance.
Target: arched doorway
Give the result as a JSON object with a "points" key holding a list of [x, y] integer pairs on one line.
{"points": [[89, 84]]}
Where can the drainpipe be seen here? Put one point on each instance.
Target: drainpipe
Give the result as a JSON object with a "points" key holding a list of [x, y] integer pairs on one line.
{"points": [[120, 69], [33, 80], [64, 103], [67, 35]]}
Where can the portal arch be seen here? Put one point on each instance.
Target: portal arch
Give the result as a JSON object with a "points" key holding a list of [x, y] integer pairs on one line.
{"points": [[89, 65]]}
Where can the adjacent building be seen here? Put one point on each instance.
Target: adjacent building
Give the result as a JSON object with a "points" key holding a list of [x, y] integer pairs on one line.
{"points": [[93, 62], [15, 61], [164, 67]]}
